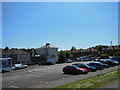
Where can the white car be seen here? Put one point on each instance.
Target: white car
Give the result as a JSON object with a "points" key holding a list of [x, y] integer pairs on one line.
{"points": [[19, 66]]}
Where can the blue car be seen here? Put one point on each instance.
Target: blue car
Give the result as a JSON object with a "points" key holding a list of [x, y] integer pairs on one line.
{"points": [[96, 65], [89, 68]]}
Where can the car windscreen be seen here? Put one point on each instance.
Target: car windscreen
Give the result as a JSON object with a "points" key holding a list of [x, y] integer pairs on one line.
{"points": [[75, 66], [86, 65]]}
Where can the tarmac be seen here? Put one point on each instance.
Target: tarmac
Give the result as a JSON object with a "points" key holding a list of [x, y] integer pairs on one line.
{"points": [[67, 80]]}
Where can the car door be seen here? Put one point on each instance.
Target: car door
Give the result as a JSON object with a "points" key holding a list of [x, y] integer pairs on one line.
{"points": [[73, 69], [69, 69], [83, 66], [66, 69]]}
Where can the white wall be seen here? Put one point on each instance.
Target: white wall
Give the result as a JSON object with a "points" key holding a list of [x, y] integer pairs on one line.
{"points": [[50, 51]]}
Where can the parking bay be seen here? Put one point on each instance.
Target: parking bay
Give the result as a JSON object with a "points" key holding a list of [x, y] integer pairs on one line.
{"points": [[34, 76]]}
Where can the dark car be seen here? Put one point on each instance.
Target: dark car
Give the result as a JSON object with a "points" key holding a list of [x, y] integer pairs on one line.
{"points": [[69, 61], [109, 63], [103, 64], [113, 62], [89, 68], [116, 59], [116, 62], [45, 63], [97, 59], [73, 69], [96, 65]]}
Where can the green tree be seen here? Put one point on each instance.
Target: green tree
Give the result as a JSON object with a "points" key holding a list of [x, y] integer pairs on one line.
{"points": [[61, 57], [67, 55], [104, 56], [73, 48], [6, 48], [99, 48]]}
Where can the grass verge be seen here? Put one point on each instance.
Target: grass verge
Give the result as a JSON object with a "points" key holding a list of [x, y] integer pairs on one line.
{"points": [[93, 82]]}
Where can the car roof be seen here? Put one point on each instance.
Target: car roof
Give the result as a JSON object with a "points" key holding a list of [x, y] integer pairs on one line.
{"points": [[17, 64], [69, 65], [93, 62], [79, 63], [96, 62], [76, 63]]}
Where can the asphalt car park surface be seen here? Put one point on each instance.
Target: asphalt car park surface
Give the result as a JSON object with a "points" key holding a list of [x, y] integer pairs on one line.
{"points": [[43, 76]]}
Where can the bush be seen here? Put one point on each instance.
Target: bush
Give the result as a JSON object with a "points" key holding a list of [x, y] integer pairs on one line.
{"points": [[62, 57], [104, 56]]}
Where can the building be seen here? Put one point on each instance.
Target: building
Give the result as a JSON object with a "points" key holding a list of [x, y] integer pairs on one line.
{"points": [[34, 58], [17, 56], [48, 51]]}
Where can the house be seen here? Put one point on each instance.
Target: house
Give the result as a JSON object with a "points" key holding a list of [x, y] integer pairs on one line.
{"points": [[17, 56], [48, 51], [89, 51], [34, 59]]}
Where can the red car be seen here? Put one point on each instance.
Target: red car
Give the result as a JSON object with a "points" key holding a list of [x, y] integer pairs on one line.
{"points": [[73, 69]]}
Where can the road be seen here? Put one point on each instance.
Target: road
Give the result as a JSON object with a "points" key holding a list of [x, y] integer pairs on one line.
{"points": [[37, 76]]}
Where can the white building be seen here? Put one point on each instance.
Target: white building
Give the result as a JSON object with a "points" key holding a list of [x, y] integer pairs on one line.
{"points": [[49, 51]]}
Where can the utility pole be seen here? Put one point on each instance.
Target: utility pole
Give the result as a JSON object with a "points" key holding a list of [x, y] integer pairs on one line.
{"points": [[111, 43]]}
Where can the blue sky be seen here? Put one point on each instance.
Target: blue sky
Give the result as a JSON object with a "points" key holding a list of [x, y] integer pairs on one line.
{"points": [[83, 25]]}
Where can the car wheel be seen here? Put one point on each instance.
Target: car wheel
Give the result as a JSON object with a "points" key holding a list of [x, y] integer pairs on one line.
{"points": [[78, 72], [17, 68], [64, 72], [3, 71]]}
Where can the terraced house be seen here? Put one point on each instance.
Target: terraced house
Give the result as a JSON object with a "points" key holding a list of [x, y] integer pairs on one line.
{"points": [[17, 56]]}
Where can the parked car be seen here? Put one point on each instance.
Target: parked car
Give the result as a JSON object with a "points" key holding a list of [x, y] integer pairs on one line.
{"points": [[116, 59], [113, 62], [116, 62], [78, 59], [96, 65], [48, 62], [69, 61], [97, 59], [19, 66], [103, 64], [85, 59], [73, 69], [108, 62], [81, 65]]}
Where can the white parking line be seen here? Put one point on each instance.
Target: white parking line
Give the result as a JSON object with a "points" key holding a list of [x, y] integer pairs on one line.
{"points": [[13, 86]]}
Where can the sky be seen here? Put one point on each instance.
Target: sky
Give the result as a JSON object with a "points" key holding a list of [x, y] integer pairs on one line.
{"points": [[62, 24]]}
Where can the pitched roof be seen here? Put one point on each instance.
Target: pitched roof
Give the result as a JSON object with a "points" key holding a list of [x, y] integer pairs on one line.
{"points": [[11, 51], [49, 46]]}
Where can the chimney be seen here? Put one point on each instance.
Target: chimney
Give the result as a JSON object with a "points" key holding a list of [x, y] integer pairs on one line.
{"points": [[47, 44]]}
